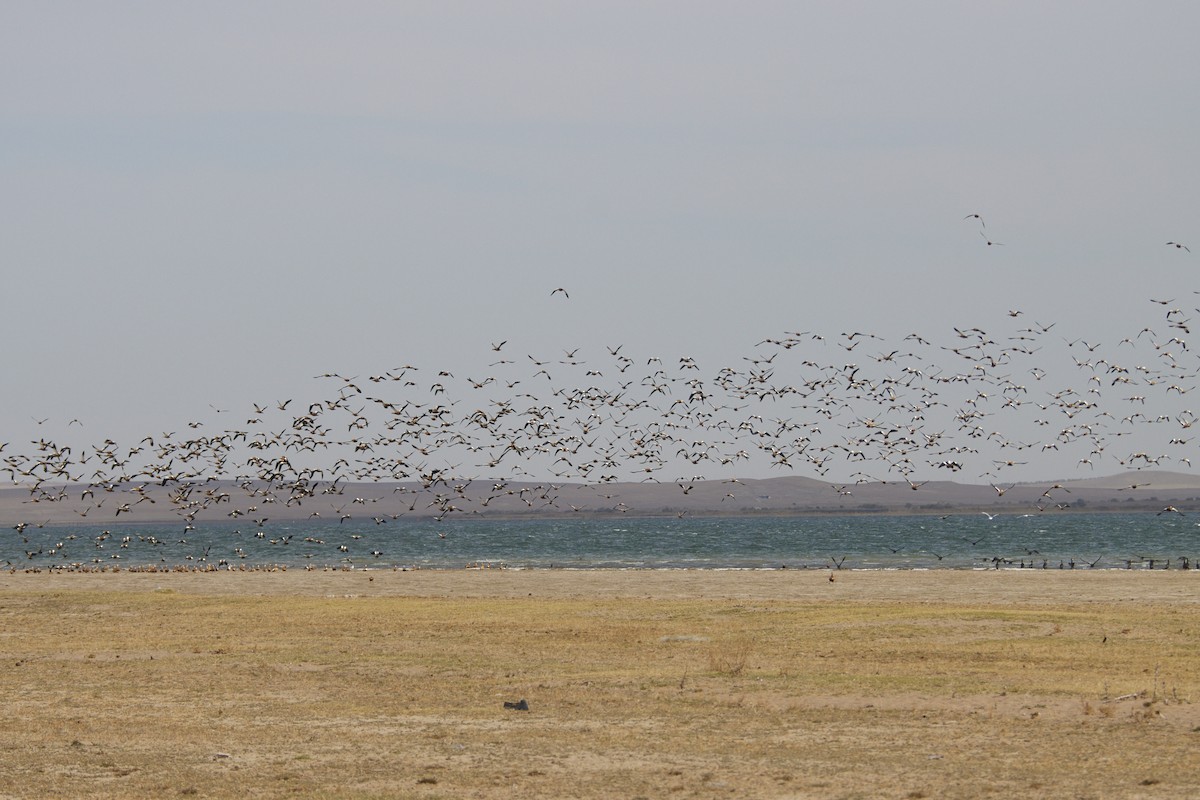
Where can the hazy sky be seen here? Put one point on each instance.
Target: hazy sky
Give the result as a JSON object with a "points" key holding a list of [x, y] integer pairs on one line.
{"points": [[205, 205]]}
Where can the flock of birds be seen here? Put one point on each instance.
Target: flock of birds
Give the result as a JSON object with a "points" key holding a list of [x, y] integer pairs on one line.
{"points": [[975, 405]]}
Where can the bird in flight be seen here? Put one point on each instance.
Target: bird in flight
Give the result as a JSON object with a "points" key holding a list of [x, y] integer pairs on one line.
{"points": [[976, 216], [560, 289], [1179, 246]]}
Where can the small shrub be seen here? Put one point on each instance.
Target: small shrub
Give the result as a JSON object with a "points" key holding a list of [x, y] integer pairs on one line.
{"points": [[730, 659]]}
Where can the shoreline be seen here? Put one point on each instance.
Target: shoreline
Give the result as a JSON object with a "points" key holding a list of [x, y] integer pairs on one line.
{"points": [[1018, 509], [1008, 586]]}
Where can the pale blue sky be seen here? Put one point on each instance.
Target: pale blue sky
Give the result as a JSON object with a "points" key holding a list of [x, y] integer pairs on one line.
{"points": [[208, 204]]}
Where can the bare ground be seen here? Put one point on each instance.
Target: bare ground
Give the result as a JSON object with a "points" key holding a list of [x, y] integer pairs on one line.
{"points": [[650, 684]]}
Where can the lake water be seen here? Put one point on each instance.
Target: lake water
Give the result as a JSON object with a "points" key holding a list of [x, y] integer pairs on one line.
{"points": [[966, 541]]}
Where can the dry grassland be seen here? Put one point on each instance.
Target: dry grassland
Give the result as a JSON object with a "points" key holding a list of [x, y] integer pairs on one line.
{"points": [[172, 687]]}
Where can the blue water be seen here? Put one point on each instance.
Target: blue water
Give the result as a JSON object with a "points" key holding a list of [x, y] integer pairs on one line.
{"points": [[967, 541]]}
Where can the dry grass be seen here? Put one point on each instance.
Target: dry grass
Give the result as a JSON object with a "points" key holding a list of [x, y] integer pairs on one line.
{"points": [[165, 693]]}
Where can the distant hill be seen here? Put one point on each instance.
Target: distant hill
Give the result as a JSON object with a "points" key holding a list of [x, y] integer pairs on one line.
{"points": [[225, 500], [1159, 480]]}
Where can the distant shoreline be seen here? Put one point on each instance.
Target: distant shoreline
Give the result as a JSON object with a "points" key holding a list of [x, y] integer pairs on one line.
{"points": [[500, 516], [1131, 492]]}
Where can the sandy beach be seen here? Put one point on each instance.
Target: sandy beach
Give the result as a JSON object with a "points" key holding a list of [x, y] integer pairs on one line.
{"points": [[706, 683]]}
